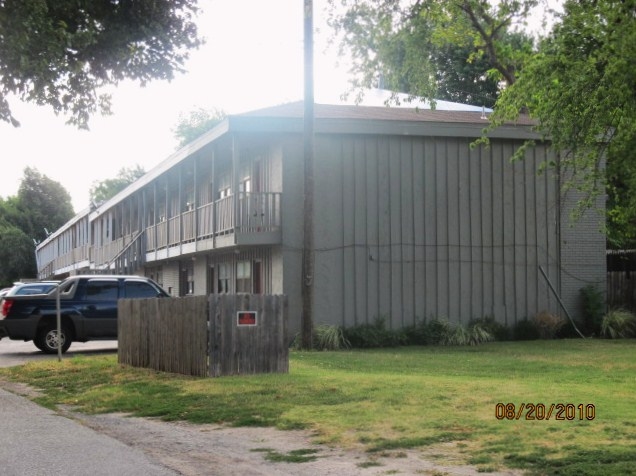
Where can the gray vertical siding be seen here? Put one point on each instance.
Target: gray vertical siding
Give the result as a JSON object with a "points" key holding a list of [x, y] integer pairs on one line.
{"points": [[415, 227]]}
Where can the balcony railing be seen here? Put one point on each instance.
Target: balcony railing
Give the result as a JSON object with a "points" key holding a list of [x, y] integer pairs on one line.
{"points": [[67, 261], [245, 218], [253, 214], [103, 255]]}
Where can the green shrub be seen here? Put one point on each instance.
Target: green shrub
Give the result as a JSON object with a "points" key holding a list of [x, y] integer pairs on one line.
{"points": [[593, 304], [478, 334], [458, 335], [425, 332], [437, 332], [496, 329], [374, 335], [441, 332], [618, 324], [330, 338], [548, 324], [525, 329]]}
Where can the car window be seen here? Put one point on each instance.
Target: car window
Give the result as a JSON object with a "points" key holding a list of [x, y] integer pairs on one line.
{"points": [[39, 289], [67, 286], [102, 290], [139, 289]]}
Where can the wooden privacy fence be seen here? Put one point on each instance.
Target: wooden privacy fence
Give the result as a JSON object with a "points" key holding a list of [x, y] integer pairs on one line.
{"points": [[621, 279], [164, 334], [248, 334], [200, 335], [621, 290]]}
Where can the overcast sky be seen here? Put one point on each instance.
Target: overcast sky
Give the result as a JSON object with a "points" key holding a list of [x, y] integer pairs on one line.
{"points": [[253, 58]]}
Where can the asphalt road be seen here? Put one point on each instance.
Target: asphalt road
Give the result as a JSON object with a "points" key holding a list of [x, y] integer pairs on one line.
{"points": [[37, 441], [14, 352]]}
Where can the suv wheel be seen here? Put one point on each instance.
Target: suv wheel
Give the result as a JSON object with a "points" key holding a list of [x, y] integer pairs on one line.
{"points": [[47, 339]]}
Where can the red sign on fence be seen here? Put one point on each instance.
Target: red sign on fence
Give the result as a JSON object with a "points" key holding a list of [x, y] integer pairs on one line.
{"points": [[246, 318]]}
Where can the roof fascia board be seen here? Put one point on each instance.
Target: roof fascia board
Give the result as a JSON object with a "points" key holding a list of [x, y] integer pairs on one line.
{"points": [[63, 228], [430, 129], [383, 127]]}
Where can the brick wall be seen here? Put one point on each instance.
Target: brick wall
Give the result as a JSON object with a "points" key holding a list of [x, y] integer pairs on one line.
{"points": [[583, 260]]}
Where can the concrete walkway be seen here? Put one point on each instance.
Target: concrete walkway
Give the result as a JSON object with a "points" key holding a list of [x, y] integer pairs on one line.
{"points": [[36, 441]]}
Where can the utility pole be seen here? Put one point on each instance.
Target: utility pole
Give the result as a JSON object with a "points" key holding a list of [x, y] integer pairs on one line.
{"points": [[308, 140]]}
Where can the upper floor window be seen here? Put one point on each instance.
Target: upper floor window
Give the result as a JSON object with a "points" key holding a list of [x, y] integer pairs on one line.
{"points": [[189, 201], [225, 192], [245, 185]]}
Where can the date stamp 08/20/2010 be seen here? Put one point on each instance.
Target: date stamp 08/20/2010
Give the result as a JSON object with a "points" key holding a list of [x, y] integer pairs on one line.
{"points": [[542, 411]]}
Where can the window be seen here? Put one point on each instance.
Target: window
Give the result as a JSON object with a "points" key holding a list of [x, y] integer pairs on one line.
{"points": [[186, 278], [102, 290], [256, 271], [189, 201], [209, 281], [223, 283], [243, 277], [245, 185], [156, 274], [138, 289], [224, 192]]}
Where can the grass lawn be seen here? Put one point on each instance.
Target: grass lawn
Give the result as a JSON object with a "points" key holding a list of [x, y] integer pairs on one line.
{"points": [[392, 399]]}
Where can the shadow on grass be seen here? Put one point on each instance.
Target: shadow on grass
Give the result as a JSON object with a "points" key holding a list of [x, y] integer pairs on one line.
{"points": [[606, 461]]}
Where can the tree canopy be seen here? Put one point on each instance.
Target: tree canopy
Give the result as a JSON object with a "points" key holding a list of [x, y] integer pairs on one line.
{"points": [[581, 89], [41, 206], [457, 51], [578, 82], [61, 52], [196, 123], [108, 188], [17, 255]]}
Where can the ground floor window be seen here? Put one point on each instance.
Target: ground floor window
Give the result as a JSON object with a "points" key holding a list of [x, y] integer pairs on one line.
{"points": [[186, 285], [156, 274], [223, 279], [243, 277], [245, 272]]}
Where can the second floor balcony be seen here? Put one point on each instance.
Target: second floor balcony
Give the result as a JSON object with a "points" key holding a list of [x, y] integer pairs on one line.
{"points": [[245, 219], [248, 218]]}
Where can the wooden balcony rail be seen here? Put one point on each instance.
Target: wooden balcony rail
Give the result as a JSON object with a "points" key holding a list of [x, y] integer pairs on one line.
{"points": [[258, 212], [255, 213]]}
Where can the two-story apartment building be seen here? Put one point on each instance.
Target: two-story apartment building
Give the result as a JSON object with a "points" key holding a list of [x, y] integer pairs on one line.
{"points": [[410, 221]]}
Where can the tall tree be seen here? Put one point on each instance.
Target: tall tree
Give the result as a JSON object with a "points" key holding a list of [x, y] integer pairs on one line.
{"points": [[40, 207], [196, 123], [17, 255], [581, 89], [106, 189], [621, 193], [454, 50], [61, 52], [44, 202]]}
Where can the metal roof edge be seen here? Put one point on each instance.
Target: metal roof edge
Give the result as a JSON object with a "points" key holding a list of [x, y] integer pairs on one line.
{"points": [[384, 127], [78, 216]]}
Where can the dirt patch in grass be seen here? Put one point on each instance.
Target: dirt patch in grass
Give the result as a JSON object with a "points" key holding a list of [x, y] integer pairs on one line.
{"points": [[191, 449]]}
